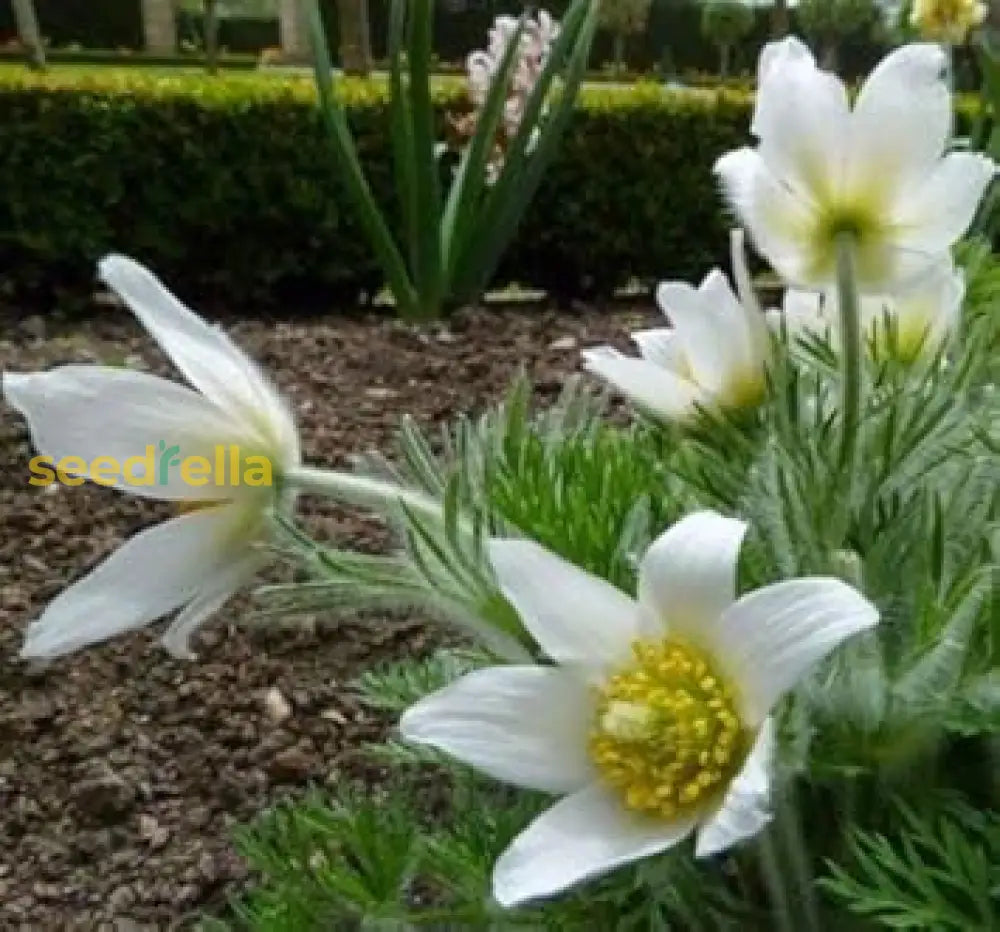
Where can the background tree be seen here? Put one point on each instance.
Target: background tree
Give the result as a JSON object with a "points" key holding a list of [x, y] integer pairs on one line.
{"points": [[624, 18], [159, 26], [355, 36], [29, 34], [828, 22], [292, 28], [725, 23], [780, 20], [210, 35]]}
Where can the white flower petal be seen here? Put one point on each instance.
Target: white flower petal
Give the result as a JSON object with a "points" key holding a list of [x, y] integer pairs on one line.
{"points": [[780, 223], [176, 639], [94, 411], [582, 836], [204, 354], [805, 312], [902, 120], [758, 335], [933, 213], [802, 122], [947, 290], [769, 639], [688, 576], [925, 316], [652, 387], [159, 570], [743, 332], [522, 725], [661, 347], [573, 616], [744, 810], [711, 327], [790, 50]]}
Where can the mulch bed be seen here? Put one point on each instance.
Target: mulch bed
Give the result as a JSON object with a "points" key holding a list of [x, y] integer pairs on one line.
{"points": [[122, 771]]}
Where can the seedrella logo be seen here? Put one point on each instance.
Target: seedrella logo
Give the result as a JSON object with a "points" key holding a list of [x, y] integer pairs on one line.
{"points": [[228, 465]]}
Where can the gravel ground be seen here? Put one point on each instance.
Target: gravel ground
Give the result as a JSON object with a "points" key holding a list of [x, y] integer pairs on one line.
{"points": [[122, 771]]}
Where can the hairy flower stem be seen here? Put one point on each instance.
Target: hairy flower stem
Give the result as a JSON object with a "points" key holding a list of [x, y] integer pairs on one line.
{"points": [[787, 872], [798, 860], [365, 492], [851, 342], [774, 880]]}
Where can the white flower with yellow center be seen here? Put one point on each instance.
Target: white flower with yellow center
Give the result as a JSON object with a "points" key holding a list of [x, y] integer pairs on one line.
{"points": [[714, 355], [132, 430], [878, 172], [908, 325], [948, 21], [654, 722]]}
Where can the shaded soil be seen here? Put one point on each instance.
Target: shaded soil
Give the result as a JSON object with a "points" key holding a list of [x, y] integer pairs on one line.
{"points": [[122, 771]]}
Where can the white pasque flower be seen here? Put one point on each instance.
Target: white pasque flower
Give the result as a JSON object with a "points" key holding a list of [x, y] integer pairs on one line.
{"points": [[878, 172], [197, 560], [654, 722], [909, 324], [714, 355]]}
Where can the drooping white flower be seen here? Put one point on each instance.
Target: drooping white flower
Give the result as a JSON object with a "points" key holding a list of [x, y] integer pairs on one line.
{"points": [[654, 723], [713, 356], [948, 21], [879, 171], [142, 424], [910, 324]]}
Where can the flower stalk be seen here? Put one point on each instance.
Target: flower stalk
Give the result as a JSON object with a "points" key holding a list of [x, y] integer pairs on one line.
{"points": [[774, 881], [362, 491], [852, 350]]}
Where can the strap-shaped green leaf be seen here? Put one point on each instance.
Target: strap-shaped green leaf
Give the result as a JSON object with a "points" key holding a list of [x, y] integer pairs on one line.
{"points": [[470, 179], [401, 122], [335, 119], [526, 164], [427, 271]]}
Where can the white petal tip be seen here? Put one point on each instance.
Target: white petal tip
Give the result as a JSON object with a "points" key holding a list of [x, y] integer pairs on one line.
{"points": [[410, 726], [11, 384], [115, 263], [709, 844], [506, 897], [594, 356], [38, 648]]}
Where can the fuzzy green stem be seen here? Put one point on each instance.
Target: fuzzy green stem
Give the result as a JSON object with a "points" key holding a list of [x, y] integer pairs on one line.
{"points": [[851, 346], [365, 492], [798, 861], [774, 880]]}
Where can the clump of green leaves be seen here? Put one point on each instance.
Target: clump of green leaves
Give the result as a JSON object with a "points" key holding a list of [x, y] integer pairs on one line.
{"points": [[913, 522], [452, 243]]}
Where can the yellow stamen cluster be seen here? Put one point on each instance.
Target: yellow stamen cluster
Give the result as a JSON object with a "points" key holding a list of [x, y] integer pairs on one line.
{"points": [[667, 735]]}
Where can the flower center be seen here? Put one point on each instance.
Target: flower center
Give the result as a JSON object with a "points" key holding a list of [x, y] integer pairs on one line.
{"points": [[667, 735], [860, 218]]}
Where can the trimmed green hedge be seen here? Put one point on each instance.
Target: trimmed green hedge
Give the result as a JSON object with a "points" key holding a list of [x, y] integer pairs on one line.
{"points": [[226, 188]]}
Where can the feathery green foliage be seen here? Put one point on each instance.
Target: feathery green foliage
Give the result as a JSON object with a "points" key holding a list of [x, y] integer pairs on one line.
{"points": [[939, 872], [913, 522]]}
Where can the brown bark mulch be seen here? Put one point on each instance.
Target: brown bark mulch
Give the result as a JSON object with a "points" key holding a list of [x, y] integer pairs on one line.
{"points": [[122, 771]]}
